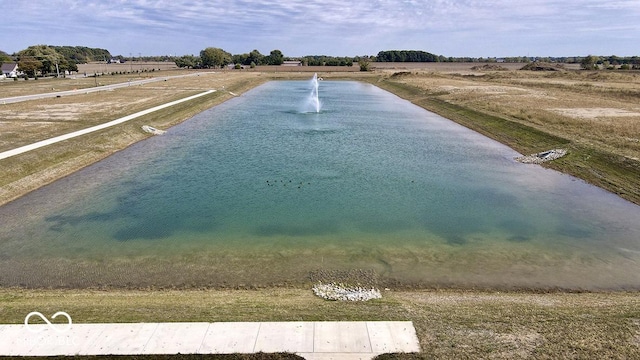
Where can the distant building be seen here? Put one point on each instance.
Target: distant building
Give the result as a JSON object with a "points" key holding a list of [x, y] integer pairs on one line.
{"points": [[114, 61], [292, 63], [10, 70]]}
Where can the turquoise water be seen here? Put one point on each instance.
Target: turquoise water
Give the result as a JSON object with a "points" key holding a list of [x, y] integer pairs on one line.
{"points": [[258, 192]]}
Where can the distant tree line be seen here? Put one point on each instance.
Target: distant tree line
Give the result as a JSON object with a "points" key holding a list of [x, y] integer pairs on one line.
{"points": [[47, 59], [592, 62], [255, 58], [82, 54], [406, 56], [324, 60], [43, 59], [215, 57], [588, 62]]}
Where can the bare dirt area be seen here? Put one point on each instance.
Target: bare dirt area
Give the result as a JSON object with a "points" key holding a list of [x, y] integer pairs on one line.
{"points": [[10, 88], [444, 67], [595, 113], [468, 68], [130, 66], [304, 69], [30, 121]]}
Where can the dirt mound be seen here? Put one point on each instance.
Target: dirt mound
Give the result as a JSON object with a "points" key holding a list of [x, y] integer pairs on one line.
{"points": [[543, 66], [489, 67], [401, 74]]}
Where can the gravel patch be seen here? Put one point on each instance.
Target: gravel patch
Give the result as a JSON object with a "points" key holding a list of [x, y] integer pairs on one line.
{"points": [[340, 292], [542, 157]]}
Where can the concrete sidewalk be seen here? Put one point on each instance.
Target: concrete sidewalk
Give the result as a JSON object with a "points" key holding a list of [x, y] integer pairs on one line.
{"points": [[311, 340], [71, 135]]}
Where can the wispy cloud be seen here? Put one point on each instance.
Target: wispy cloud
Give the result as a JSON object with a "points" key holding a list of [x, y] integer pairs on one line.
{"points": [[333, 27]]}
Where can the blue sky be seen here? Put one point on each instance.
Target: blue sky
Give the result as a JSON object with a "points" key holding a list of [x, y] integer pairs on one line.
{"points": [[476, 28]]}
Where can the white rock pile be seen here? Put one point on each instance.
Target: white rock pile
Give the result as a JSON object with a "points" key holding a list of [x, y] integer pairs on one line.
{"points": [[332, 291], [541, 157], [152, 130]]}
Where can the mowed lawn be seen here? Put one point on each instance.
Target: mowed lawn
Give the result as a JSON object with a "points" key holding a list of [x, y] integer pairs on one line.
{"points": [[450, 324]]}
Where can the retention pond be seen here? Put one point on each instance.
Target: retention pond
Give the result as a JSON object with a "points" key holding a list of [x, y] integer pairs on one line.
{"points": [[260, 191]]}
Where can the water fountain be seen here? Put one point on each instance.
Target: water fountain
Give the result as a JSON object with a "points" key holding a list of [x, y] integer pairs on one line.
{"points": [[314, 100]]}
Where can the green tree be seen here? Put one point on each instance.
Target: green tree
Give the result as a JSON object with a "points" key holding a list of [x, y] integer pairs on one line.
{"points": [[406, 56], [68, 66], [240, 59], [364, 64], [83, 54], [188, 61], [275, 57], [46, 55], [5, 58], [255, 57], [29, 65], [214, 57], [590, 62]]}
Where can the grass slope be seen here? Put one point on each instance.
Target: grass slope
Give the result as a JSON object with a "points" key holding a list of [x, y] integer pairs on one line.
{"points": [[450, 324]]}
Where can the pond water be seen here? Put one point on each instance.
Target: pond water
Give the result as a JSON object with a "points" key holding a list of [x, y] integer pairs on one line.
{"points": [[257, 192]]}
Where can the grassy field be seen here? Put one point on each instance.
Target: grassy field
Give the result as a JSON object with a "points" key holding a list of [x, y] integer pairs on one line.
{"points": [[450, 324], [595, 115]]}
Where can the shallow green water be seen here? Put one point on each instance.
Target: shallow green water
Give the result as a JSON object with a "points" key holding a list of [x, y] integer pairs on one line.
{"points": [[257, 191]]}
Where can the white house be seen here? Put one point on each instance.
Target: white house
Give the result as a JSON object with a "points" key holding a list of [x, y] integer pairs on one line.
{"points": [[10, 70]]}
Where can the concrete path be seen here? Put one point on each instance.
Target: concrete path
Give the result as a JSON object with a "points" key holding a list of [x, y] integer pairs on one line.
{"points": [[311, 340], [15, 99], [39, 144]]}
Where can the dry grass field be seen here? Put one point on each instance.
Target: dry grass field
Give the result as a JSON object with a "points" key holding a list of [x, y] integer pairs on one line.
{"points": [[84, 78], [586, 107], [131, 66]]}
